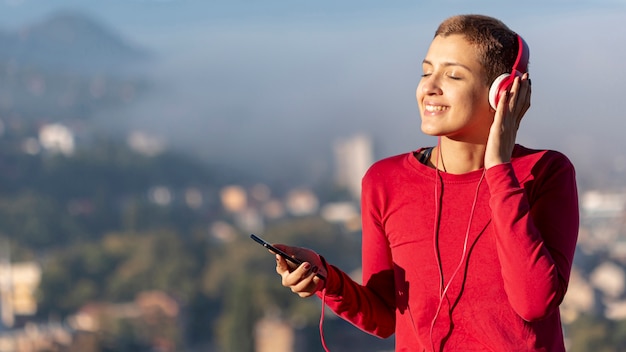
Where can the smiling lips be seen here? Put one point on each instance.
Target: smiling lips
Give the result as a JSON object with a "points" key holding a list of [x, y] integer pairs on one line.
{"points": [[435, 108]]}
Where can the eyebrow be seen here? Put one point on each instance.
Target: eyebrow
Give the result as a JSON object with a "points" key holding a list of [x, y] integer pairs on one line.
{"points": [[447, 64]]}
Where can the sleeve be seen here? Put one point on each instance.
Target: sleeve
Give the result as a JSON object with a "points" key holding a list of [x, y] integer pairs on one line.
{"points": [[370, 307], [535, 238]]}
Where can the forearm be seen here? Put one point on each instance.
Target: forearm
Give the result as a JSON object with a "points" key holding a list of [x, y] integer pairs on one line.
{"points": [[535, 244], [358, 304]]}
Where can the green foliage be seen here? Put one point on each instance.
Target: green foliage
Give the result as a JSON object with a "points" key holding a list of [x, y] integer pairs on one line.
{"points": [[116, 269], [236, 327], [592, 333], [36, 221], [239, 283], [52, 200]]}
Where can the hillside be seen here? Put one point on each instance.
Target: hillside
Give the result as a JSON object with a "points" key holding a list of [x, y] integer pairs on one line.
{"points": [[71, 41]]}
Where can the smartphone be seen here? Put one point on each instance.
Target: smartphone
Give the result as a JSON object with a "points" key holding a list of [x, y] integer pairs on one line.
{"points": [[267, 245], [287, 257]]}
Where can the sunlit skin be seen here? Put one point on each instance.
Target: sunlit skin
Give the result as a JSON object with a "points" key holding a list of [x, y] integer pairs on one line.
{"points": [[302, 280], [452, 97]]}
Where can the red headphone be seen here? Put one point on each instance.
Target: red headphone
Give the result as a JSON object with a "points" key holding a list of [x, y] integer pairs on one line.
{"points": [[504, 82]]}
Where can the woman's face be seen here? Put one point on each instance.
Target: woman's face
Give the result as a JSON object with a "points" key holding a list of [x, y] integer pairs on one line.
{"points": [[452, 95]]}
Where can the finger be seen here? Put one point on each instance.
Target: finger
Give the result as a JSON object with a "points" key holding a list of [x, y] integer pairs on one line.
{"points": [[523, 86], [287, 250], [282, 267], [306, 287], [309, 286], [520, 102], [297, 275], [515, 107], [513, 97], [500, 111], [528, 92], [523, 102]]}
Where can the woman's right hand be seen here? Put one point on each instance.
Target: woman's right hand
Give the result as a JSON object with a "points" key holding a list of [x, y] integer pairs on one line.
{"points": [[302, 280]]}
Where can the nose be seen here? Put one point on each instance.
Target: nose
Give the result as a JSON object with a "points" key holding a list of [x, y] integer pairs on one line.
{"points": [[429, 85]]}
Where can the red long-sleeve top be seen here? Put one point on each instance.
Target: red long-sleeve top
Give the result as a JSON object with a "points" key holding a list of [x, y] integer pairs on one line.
{"points": [[512, 275]]}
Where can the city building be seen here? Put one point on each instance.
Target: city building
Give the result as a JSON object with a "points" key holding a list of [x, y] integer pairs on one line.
{"points": [[353, 156]]}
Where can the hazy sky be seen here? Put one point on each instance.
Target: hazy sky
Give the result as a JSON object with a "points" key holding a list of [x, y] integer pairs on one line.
{"points": [[270, 81]]}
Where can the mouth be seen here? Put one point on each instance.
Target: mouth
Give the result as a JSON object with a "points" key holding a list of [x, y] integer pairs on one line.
{"points": [[435, 108]]}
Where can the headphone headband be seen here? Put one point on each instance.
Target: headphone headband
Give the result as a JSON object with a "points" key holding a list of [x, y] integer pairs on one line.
{"points": [[521, 62], [504, 82]]}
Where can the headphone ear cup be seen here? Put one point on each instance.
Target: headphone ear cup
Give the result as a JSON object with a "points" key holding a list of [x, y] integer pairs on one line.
{"points": [[498, 87]]}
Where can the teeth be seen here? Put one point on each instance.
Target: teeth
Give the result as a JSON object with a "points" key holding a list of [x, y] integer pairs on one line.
{"points": [[433, 108]]}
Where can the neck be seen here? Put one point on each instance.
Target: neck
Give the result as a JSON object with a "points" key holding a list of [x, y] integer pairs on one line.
{"points": [[458, 157]]}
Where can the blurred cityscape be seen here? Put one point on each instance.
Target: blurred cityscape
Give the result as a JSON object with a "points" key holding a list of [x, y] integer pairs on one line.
{"points": [[122, 243]]}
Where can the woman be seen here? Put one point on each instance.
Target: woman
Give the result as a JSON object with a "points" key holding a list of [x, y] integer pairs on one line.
{"points": [[467, 246]]}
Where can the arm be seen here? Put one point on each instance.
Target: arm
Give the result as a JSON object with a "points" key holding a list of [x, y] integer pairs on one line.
{"points": [[506, 122], [377, 307], [360, 305], [535, 238], [370, 307]]}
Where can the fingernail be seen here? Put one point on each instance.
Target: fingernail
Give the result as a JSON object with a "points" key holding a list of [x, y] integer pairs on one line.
{"points": [[315, 269], [307, 266]]}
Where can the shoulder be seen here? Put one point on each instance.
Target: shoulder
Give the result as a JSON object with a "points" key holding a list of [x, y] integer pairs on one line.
{"points": [[524, 155], [388, 165], [527, 161], [390, 173]]}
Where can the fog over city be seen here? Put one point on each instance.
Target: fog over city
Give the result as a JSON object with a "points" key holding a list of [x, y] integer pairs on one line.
{"points": [[273, 85]]}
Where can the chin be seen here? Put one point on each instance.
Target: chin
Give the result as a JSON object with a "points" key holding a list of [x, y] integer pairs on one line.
{"points": [[430, 131]]}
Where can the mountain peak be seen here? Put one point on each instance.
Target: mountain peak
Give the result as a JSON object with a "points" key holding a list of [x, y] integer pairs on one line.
{"points": [[71, 40]]}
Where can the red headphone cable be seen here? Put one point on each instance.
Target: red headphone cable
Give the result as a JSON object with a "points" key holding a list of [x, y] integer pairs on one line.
{"points": [[443, 290], [322, 320]]}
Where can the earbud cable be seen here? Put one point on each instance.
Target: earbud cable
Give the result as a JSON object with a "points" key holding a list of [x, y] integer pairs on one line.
{"points": [[444, 290], [322, 320]]}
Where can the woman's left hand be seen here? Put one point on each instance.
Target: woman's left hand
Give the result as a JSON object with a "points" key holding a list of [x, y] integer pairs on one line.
{"points": [[509, 112]]}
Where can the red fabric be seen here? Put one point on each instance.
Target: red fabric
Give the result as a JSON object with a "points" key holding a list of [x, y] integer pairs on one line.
{"points": [[521, 246]]}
